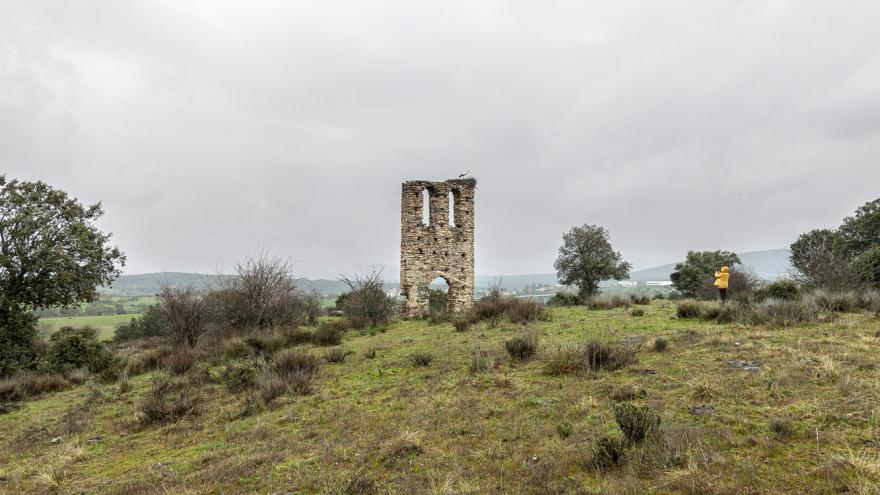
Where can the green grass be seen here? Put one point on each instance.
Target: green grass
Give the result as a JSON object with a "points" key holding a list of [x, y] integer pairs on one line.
{"points": [[105, 324], [442, 429]]}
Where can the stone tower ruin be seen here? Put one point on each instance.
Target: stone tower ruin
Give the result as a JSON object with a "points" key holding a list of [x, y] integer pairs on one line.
{"points": [[441, 247]]}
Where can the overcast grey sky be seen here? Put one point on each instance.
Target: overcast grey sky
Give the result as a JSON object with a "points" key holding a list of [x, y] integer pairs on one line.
{"points": [[212, 129]]}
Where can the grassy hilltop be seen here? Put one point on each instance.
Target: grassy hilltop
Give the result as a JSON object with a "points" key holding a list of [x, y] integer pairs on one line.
{"points": [[743, 409]]}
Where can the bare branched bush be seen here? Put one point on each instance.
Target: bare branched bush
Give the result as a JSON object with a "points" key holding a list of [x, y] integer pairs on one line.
{"points": [[312, 306], [183, 314], [261, 294], [495, 306], [366, 304]]}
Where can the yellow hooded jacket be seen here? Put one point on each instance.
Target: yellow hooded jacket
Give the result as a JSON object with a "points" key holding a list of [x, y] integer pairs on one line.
{"points": [[722, 277]]}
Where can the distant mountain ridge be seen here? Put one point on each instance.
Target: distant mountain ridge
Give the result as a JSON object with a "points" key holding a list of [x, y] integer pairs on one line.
{"points": [[768, 264]]}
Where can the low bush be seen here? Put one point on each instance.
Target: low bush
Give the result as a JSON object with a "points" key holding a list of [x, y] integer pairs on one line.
{"points": [[168, 400], [495, 306], [604, 356], [636, 423], [293, 336], [609, 301], [781, 427], [29, 384], [689, 308], [147, 360], [660, 344], [328, 334], [264, 343], [590, 356], [420, 358], [239, 377], [336, 355], [71, 348], [522, 347], [564, 299], [608, 452], [180, 362], [637, 313], [78, 376], [148, 325], [462, 323], [784, 313], [481, 361], [641, 299], [782, 289], [291, 362], [271, 386]]}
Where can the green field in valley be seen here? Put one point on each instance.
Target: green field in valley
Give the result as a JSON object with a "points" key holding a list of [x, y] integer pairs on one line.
{"points": [[106, 324]]}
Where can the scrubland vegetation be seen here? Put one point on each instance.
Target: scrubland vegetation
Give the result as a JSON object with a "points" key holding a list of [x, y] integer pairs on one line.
{"points": [[564, 400]]}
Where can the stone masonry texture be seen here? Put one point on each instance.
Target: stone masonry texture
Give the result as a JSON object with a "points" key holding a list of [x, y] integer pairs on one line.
{"points": [[437, 249]]}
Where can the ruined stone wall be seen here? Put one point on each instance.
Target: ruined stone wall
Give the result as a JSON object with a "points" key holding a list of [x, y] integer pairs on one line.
{"points": [[437, 249]]}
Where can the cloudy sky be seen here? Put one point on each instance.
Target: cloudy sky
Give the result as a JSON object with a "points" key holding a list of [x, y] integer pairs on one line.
{"points": [[213, 129]]}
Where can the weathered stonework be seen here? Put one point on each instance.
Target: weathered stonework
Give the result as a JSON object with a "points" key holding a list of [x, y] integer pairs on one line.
{"points": [[437, 249]]}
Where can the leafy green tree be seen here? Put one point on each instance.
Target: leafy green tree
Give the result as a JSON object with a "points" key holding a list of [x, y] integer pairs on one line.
{"points": [[821, 260], [148, 325], [691, 275], [587, 258], [867, 266], [74, 348], [861, 232], [51, 254]]}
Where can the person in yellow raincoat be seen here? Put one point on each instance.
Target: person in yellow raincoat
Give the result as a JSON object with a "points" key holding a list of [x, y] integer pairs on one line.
{"points": [[721, 278]]}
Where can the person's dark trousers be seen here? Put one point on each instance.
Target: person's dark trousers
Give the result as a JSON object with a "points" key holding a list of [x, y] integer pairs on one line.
{"points": [[723, 293]]}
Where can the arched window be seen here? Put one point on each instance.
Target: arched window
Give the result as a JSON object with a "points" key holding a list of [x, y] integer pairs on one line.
{"points": [[451, 209], [426, 207]]}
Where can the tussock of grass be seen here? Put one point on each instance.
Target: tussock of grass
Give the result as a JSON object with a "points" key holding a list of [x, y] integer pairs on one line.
{"points": [[522, 347]]}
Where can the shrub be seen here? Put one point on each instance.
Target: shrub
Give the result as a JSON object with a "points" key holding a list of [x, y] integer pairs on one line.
{"points": [[261, 294], [183, 315], [235, 348], [839, 301], [495, 306], [781, 427], [637, 312], [29, 384], [300, 383], [263, 342], [660, 344], [180, 362], [564, 360], [688, 308], [168, 400], [636, 423], [71, 348], [150, 359], [563, 299], [420, 358], [366, 304], [78, 376], [784, 313], [783, 290], [481, 362], [328, 334], [18, 336], [291, 362], [239, 377], [271, 386], [601, 356], [608, 452], [590, 356], [148, 325], [612, 301], [523, 347], [292, 336], [641, 299], [461, 324], [336, 355], [564, 430]]}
